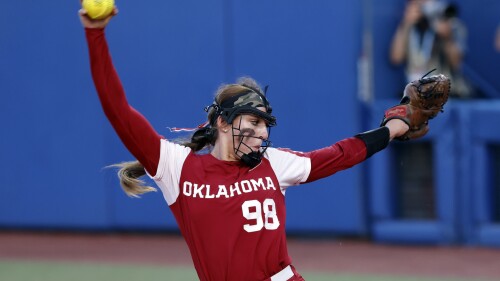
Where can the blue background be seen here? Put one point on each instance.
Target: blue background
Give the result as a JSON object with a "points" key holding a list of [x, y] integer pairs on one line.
{"points": [[172, 56]]}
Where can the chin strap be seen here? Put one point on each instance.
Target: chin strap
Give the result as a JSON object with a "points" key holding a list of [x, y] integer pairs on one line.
{"points": [[251, 159]]}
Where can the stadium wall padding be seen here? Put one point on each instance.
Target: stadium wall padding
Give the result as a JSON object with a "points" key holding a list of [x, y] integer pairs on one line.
{"points": [[172, 56]]}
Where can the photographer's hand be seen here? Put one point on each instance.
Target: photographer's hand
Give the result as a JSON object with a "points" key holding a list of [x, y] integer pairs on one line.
{"points": [[413, 13]]}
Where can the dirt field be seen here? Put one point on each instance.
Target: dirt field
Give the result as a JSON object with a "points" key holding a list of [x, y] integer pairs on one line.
{"points": [[339, 256]]}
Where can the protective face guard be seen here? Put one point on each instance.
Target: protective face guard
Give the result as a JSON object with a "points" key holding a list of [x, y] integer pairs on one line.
{"points": [[245, 103], [252, 158]]}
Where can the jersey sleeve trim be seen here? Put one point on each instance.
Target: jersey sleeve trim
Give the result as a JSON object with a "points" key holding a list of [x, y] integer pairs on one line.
{"points": [[168, 174]]}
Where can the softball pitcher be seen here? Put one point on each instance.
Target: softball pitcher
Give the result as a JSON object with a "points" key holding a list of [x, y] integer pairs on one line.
{"points": [[226, 187]]}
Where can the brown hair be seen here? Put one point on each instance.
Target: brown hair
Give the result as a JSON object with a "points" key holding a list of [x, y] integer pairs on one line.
{"points": [[130, 172]]}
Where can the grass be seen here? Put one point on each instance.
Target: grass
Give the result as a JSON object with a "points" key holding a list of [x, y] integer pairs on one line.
{"points": [[12, 270]]}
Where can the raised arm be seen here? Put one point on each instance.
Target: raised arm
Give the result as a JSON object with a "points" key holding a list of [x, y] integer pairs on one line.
{"points": [[398, 50], [134, 130]]}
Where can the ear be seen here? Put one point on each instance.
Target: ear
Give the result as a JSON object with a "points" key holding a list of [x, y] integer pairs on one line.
{"points": [[222, 124]]}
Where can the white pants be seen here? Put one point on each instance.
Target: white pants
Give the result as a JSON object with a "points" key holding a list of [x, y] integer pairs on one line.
{"points": [[285, 274]]}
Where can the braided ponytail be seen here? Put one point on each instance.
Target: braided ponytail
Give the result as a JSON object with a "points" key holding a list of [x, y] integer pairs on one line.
{"points": [[129, 174], [202, 138]]}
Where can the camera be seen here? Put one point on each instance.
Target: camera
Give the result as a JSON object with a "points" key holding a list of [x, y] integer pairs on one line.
{"points": [[433, 9]]}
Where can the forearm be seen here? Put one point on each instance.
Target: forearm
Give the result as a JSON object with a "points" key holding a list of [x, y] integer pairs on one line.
{"points": [[337, 157], [133, 129], [399, 44], [453, 53], [349, 152], [106, 81]]}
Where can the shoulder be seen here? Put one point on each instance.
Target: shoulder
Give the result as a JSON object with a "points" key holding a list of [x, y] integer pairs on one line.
{"points": [[169, 146], [283, 152], [172, 157], [291, 167], [285, 157]]}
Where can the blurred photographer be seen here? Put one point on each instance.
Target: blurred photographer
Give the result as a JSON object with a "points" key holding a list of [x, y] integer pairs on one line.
{"points": [[429, 36]]}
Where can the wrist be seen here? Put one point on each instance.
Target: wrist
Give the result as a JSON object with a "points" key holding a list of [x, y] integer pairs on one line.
{"points": [[397, 128], [375, 140]]}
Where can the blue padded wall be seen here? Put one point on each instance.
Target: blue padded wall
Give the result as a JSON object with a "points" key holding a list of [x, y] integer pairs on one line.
{"points": [[170, 64], [52, 141], [477, 172], [385, 225], [301, 62], [171, 57]]}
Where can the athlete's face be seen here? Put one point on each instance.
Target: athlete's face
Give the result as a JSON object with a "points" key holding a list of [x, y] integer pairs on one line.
{"points": [[250, 130]]}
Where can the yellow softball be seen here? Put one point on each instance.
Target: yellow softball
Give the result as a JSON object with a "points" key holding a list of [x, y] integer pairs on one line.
{"points": [[98, 9]]}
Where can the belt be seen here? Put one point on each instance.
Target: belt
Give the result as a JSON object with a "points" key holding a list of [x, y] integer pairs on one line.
{"points": [[285, 274]]}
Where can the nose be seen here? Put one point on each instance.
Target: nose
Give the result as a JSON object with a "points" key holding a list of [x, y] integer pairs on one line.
{"points": [[262, 132]]}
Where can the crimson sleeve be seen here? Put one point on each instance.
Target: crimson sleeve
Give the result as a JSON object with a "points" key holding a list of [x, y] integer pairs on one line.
{"points": [[134, 130], [339, 156]]}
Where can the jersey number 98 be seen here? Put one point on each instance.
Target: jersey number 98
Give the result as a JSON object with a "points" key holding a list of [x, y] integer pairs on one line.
{"points": [[264, 215]]}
